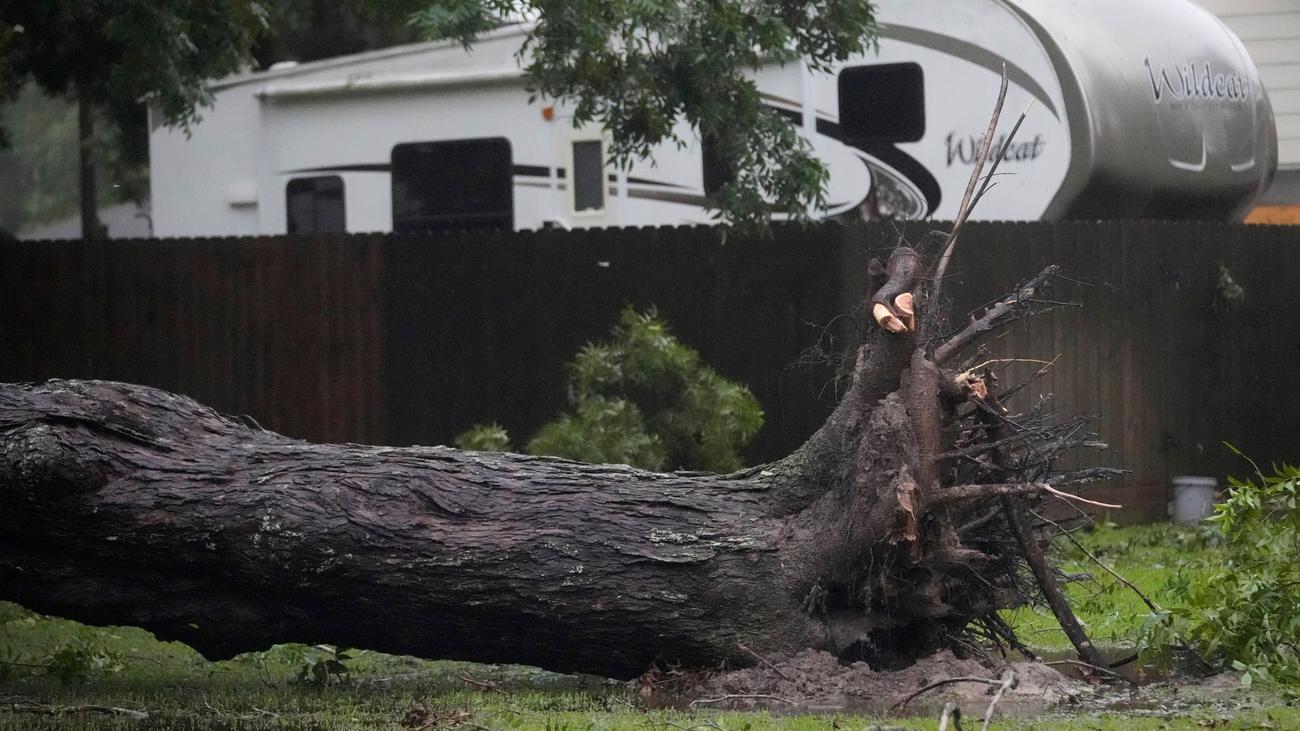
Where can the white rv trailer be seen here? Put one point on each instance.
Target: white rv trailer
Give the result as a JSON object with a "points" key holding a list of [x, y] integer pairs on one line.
{"points": [[1140, 108]]}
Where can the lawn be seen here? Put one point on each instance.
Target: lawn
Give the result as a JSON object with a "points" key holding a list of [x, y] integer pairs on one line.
{"points": [[49, 666], [1149, 556]]}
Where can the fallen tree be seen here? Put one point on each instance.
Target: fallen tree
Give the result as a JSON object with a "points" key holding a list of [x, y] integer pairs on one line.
{"points": [[883, 537], [897, 529]]}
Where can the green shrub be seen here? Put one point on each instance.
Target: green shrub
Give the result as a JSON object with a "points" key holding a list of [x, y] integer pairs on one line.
{"points": [[645, 399], [80, 659], [602, 430], [1241, 602], [321, 665], [484, 438]]}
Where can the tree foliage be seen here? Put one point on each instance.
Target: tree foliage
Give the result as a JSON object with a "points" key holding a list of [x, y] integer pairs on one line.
{"points": [[308, 30], [638, 67], [1241, 602], [112, 56], [119, 57], [40, 163], [634, 67], [645, 399], [117, 54]]}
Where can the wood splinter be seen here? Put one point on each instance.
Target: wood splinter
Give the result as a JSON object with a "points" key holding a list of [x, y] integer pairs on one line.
{"points": [[887, 320]]}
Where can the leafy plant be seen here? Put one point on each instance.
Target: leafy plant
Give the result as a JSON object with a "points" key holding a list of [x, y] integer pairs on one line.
{"points": [[79, 660], [322, 665], [643, 398], [1241, 604], [9, 662]]}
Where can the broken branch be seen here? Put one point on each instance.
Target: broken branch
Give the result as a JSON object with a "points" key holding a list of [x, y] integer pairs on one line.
{"points": [[1092, 557], [967, 201], [740, 696], [892, 306], [1009, 681], [1050, 587], [1002, 153], [940, 684], [992, 317], [951, 711], [770, 665], [91, 708], [1088, 666], [957, 493]]}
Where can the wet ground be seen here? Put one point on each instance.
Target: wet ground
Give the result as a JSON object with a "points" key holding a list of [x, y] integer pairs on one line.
{"points": [[816, 682]]}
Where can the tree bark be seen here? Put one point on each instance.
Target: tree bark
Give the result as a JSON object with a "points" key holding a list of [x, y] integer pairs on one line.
{"points": [[122, 504], [126, 505]]}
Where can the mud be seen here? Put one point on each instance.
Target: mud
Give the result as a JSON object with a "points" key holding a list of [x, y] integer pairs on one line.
{"points": [[813, 681]]}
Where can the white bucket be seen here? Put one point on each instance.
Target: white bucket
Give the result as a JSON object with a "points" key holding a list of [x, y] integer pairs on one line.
{"points": [[1193, 498]]}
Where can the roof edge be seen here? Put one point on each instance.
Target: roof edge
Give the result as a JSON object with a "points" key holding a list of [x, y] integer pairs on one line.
{"points": [[251, 77]]}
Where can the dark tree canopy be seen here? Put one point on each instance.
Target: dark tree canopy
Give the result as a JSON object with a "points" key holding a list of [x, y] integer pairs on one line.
{"points": [[117, 54]]}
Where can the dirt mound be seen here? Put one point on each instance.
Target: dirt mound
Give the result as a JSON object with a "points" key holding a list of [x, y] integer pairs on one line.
{"points": [[812, 680]]}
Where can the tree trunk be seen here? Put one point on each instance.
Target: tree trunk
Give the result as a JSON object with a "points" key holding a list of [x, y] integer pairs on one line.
{"points": [[91, 227], [126, 505]]}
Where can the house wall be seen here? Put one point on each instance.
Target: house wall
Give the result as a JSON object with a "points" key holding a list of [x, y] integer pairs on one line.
{"points": [[1270, 29]]}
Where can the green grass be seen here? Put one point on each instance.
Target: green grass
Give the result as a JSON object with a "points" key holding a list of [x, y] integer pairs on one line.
{"points": [[128, 668], [1148, 556]]}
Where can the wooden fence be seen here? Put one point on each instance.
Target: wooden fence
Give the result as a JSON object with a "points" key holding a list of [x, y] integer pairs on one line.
{"points": [[398, 340]]}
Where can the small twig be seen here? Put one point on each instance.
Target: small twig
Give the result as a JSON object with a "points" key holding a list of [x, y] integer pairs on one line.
{"points": [[764, 660], [704, 724], [1009, 681], [940, 684], [208, 705], [967, 201], [480, 684], [1002, 153], [951, 711], [996, 623], [1090, 666], [59, 710], [1071, 496], [1135, 656], [991, 361], [739, 696]]}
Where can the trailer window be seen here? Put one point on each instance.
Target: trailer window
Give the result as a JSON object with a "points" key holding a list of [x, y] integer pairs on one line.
{"points": [[882, 103], [588, 176], [453, 184], [315, 205]]}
